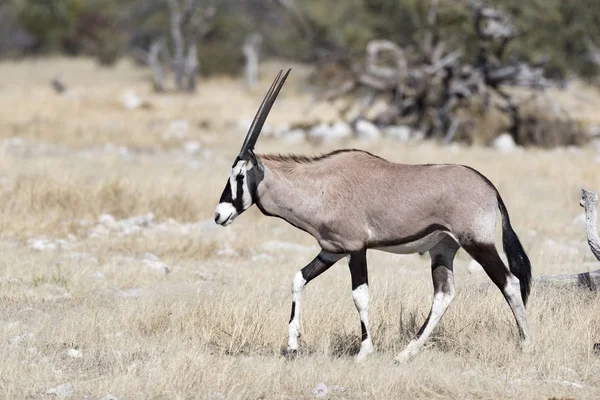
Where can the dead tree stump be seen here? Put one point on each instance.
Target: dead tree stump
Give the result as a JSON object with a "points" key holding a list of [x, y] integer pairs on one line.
{"points": [[590, 280]]}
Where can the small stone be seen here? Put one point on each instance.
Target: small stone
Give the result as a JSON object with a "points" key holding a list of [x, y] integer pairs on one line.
{"points": [[110, 397], [504, 143], [130, 100], [294, 136], [177, 130], [64, 390], [320, 391], [367, 130], [106, 219], [320, 131], [192, 146], [74, 353], [340, 130], [41, 244], [281, 129], [153, 263], [400, 133]]}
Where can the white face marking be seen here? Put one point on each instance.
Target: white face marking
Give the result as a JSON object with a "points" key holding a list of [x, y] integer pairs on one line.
{"points": [[225, 213]]}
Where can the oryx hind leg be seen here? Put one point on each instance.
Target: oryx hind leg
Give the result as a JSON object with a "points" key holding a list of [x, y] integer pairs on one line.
{"points": [[499, 273], [360, 295], [442, 258], [316, 267]]}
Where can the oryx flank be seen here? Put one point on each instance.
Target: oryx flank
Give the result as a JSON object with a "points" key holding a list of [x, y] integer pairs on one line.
{"points": [[351, 201]]}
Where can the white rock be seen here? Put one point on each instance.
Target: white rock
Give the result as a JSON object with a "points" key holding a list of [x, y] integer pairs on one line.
{"points": [[594, 131], [504, 143], [367, 130], [322, 390], [64, 390], [74, 353], [110, 397], [282, 129], [320, 131], [294, 136], [41, 244], [106, 219], [130, 100], [177, 129], [340, 130], [152, 262], [192, 146], [401, 133]]}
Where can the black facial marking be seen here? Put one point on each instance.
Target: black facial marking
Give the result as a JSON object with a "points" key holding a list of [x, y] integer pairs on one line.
{"points": [[226, 195], [238, 203], [293, 311]]}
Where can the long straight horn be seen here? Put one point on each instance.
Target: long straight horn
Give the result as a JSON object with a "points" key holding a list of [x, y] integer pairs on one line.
{"points": [[262, 113]]}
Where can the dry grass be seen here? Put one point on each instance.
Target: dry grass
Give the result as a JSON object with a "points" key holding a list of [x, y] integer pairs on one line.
{"points": [[215, 326]]}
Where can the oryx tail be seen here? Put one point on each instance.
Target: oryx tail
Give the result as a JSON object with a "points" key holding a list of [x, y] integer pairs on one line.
{"points": [[518, 261]]}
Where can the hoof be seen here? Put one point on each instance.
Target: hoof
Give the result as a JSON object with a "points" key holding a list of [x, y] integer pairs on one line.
{"points": [[404, 357], [362, 355], [526, 347], [291, 354]]}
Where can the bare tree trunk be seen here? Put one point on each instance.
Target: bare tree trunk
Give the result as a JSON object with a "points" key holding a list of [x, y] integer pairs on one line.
{"points": [[191, 67], [590, 280], [251, 52], [589, 201], [178, 62], [158, 74]]}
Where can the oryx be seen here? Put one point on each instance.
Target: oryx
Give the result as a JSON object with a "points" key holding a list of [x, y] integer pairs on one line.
{"points": [[351, 201]]}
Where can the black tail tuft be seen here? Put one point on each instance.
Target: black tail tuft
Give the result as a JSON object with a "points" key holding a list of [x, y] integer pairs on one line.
{"points": [[518, 262]]}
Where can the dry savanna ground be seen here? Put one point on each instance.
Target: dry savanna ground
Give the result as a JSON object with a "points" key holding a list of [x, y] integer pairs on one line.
{"points": [[114, 279]]}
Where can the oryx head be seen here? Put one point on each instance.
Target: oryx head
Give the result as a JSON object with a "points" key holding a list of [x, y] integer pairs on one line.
{"points": [[247, 171]]}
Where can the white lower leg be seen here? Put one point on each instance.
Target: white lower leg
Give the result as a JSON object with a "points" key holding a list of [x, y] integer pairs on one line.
{"points": [[361, 301], [441, 301], [294, 326], [512, 292]]}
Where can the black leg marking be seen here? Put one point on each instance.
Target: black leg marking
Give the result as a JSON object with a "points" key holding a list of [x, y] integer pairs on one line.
{"points": [[364, 334], [360, 294], [293, 311]]}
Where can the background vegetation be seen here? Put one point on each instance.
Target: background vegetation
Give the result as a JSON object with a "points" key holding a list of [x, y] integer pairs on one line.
{"points": [[306, 31]]}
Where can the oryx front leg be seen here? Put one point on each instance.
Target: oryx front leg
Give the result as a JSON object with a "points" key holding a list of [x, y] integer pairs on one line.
{"points": [[320, 264], [360, 295], [442, 257]]}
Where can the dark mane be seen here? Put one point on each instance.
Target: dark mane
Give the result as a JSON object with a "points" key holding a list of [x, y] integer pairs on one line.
{"points": [[299, 159]]}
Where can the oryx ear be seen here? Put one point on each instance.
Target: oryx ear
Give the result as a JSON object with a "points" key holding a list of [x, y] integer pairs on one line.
{"points": [[255, 161]]}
